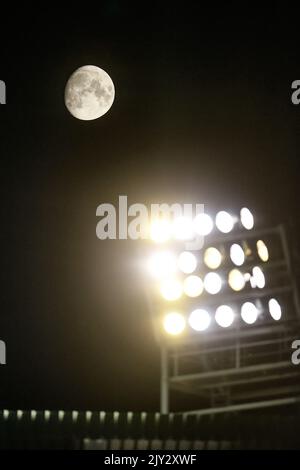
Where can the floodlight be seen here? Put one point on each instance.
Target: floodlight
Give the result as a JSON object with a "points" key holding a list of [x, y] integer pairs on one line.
{"points": [[212, 258], [249, 313], [224, 316], [275, 309], [258, 278], [212, 283], [160, 230], [171, 289], [247, 218], [183, 228], [262, 250], [224, 222], [187, 262], [193, 286], [203, 224], [236, 280], [199, 320], [174, 323], [162, 264], [237, 254]]}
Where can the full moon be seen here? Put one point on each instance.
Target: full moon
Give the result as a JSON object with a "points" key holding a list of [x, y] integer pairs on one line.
{"points": [[89, 93]]}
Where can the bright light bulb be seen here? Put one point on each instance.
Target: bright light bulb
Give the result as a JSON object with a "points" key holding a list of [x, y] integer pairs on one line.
{"points": [[199, 320], [236, 280], [247, 218], [262, 250], [249, 313], [187, 262], [212, 283], [183, 228], [224, 316], [224, 222], [203, 224], [171, 289], [162, 264], [193, 286], [160, 230], [212, 258], [237, 254], [174, 323], [275, 309], [258, 278]]}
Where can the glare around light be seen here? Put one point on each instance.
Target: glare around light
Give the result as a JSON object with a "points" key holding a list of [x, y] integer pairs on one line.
{"points": [[199, 320], [174, 323], [171, 289], [212, 283], [258, 278], [187, 262], [203, 224], [212, 258], [193, 286], [275, 309], [237, 254], [183, 228], [162, 264], [224, 316], [160, 230], [247, 218], [224, 222], [236, 280], [249, 313], [262, 250]]}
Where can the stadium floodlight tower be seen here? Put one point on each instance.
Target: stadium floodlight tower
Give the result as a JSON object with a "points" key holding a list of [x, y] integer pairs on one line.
{"points": [[225, 316]]}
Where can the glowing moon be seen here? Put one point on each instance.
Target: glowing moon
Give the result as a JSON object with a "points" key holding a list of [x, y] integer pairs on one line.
{"points": [[89, 93]]}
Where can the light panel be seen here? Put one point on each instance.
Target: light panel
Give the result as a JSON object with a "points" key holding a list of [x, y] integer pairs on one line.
{"points": [[247, 218], [162, 264], [174, 323], [224, 222], [249, 313], [236, 280], [275, 309], [212, 258], [178, 272], [258, 278], [160, 231], [171, 289], [237, 254], [199, 320], [262, 251], [203, 224], [193, 286], [212, 283], [183, 228], [224, 316], [187, 262]]}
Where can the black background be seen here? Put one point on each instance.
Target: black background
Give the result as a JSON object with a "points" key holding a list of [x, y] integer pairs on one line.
{"points": [[202, 113]]}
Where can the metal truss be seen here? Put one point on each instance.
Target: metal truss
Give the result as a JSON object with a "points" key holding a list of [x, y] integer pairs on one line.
{"points": [[247, 367]]}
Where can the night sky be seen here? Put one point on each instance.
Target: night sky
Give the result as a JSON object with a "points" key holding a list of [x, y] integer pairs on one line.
{"points": [[202, 113]]}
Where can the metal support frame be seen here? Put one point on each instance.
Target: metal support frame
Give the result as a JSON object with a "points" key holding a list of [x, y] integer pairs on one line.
{"points": [[246, 406], [231, 368], [164, 380]]}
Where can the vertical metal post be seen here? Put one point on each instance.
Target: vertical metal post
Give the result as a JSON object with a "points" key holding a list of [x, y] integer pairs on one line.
{"points": [[164, 380], [289, 267], [238, 350], [238, 354]]}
